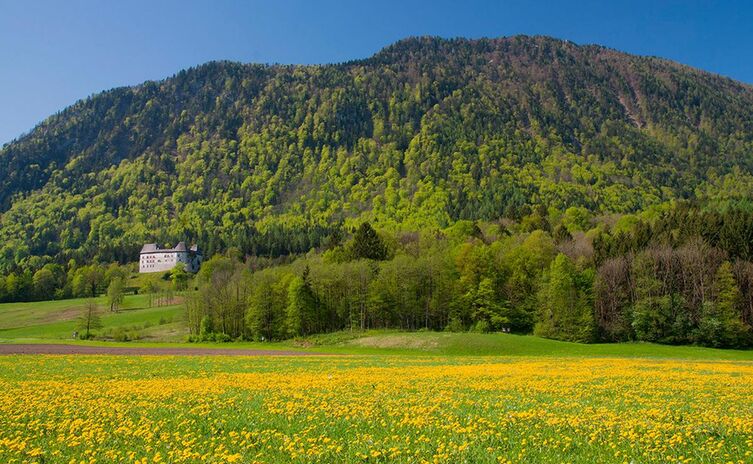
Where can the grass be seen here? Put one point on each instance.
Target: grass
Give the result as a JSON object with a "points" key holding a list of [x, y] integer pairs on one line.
{"points": [[56, 320], [385, 396], [417, 344], [475, 344], [374, 409], [41, 322]]}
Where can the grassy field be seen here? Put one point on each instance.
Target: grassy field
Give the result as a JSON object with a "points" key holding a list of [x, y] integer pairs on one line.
{"points": [[354, 409], [46, 321], [379, 396], [433, 344], [57, 319], [475, 344]]}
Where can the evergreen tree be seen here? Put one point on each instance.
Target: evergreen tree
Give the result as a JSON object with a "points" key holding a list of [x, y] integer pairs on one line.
{"points": [[367, 244], [720, 324], [565, 310], [486, 311], [301, 317], [265, 316]]}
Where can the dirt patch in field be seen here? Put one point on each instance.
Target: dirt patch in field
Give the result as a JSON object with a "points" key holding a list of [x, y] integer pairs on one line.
{"points": [[396, 341], [6, 349], [173, 332], [158, 301], [65, 314]]}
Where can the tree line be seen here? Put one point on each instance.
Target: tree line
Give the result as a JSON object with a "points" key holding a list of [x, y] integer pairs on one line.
{"points": [[487, 277], [57, 282], [678, 273]]}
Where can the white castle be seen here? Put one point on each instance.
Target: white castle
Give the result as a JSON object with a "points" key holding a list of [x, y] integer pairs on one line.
{"points": [[156, 259]]}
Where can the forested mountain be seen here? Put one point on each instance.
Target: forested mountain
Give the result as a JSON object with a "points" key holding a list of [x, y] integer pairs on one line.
{"points": [[275, 159]]}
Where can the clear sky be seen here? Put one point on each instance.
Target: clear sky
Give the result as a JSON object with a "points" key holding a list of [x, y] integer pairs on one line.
{"points": [[55, 52]]}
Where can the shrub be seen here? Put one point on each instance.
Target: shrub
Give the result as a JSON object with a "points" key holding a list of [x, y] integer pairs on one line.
{"points": [[454, 325]]}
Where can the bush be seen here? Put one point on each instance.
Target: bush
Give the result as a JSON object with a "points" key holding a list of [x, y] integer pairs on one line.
{"points": [[454, 326], [211, 337], [481, 327], [221, 338], [205, 328], [120, 335]]}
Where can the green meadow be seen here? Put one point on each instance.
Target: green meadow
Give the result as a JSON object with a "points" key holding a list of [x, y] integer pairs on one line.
{"points": [[57, 319], [375, 397], [374, 409]]}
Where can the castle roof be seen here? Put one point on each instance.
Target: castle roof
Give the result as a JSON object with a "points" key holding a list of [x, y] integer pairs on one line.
{"points": [[155, 248], [149, 248]]}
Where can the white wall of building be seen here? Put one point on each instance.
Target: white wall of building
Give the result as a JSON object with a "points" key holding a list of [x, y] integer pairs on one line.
{"points": [[155, 259], [162, 261]]}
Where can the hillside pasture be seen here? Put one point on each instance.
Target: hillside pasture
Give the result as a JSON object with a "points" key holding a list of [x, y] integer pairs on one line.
{"points": [[57, 319]]}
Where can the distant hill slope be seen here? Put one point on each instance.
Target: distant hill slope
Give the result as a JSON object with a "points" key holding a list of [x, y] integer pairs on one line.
{"points": [[270, 158]]}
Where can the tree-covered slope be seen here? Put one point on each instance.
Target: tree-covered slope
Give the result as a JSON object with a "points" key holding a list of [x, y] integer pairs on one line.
{"points": [[272, 159]]}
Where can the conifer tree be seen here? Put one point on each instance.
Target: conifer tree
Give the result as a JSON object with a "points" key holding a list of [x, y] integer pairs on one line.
{"points": [[300, 314], [367, 244], [485, 309], [721, 325], [565, 312]]}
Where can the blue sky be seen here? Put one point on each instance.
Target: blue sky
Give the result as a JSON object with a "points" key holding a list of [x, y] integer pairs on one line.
{"points": [[53, 53]]}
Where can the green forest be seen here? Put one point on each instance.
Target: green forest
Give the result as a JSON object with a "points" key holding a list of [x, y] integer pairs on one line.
{"points": [[524, 184], [679, 287]]}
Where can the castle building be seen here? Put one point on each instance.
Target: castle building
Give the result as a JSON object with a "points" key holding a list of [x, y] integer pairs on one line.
{"points": [[156, 259]]}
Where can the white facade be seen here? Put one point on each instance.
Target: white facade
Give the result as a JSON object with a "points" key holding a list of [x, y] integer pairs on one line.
{"points": [[156, 259]]}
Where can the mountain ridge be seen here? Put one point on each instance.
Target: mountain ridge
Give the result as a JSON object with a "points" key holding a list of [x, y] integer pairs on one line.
{"points": [[374, 58], [424, 132]]}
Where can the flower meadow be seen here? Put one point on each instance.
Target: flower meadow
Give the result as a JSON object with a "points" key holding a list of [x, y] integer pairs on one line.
{"points": [[331, 409]]}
